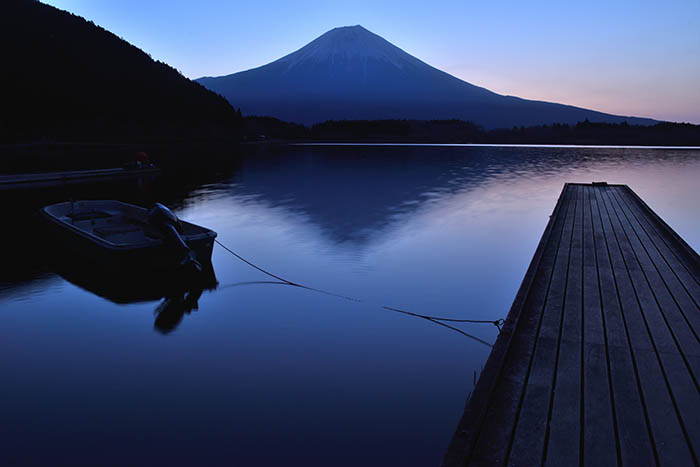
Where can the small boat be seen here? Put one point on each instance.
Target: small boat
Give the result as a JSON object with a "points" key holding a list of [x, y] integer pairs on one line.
{"points": [[119, 237]]}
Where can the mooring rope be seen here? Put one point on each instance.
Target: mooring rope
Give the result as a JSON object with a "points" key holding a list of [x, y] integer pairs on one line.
{"points": [[435, 319], [282, 279]]}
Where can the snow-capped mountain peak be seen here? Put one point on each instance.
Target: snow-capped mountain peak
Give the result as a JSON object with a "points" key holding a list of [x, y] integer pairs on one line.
{"points": [[352, 73], [349, 43]]}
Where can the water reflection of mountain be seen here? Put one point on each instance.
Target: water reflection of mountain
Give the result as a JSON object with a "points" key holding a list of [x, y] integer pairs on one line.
{"points": [[352, 192]]}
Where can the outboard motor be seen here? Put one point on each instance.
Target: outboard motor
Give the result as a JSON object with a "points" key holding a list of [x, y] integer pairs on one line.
{"points": [[170, 226]]}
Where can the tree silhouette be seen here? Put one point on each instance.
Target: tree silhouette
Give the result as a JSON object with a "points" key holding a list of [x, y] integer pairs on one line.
{"points": [[65, 78]]}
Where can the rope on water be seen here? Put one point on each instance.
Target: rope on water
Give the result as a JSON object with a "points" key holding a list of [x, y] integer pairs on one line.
{"points": [[282, 279], [253, 265], [435, 319], [498, 323]]}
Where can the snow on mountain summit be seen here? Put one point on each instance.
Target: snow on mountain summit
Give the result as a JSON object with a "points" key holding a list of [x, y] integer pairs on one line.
{"points": [[349, 43]]}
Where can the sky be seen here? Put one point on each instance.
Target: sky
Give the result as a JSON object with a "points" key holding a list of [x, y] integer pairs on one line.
{"points": [[639, 58]]}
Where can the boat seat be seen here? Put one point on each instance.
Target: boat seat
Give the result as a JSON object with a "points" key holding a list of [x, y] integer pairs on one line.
{"points": [[87, 215], [116, 229]]}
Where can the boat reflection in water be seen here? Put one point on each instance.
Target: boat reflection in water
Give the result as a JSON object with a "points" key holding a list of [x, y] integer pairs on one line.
{"points": [[127, 254], [178, 293], [174, 306]]}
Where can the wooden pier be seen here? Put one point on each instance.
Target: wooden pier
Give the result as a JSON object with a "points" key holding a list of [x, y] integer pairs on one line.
{"points": [[41, 180], [598, 362]]}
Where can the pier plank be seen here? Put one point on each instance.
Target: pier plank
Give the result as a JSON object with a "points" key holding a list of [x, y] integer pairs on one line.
{"points": [[528, 443], [666, 429], [665, 265], [563, 442], [493, 442], [688, 263], [673, 312], [635, 443], [599, 438], [598, 362]]}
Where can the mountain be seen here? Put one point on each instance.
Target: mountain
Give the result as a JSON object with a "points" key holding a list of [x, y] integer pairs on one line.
{"points": [[352, 73], [64, 77]]}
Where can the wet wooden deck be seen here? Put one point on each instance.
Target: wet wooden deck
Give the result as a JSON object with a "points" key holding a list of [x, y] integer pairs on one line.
{"points": [[599, 360]]}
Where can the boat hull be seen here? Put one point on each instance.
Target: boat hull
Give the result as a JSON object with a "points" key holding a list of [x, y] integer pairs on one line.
{"points": [[80, 248]]}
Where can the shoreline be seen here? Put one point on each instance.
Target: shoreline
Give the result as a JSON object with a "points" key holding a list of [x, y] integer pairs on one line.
{"points": [[494, 145]]}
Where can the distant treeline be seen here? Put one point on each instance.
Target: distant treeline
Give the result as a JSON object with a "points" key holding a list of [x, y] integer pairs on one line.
{"points": [[457, 131], [661, 134], [64, 78]]}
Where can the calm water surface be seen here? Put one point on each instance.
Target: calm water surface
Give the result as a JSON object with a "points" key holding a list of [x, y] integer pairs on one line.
{"points": [[263, 373]]}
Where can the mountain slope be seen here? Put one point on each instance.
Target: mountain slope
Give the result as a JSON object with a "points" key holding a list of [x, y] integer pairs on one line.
{"points": [[352, 73], [64, 77]]}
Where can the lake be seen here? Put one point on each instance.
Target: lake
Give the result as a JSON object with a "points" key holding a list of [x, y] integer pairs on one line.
{"points": [[263, 373]]}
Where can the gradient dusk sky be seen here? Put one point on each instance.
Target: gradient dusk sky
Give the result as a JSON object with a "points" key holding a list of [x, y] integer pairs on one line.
{"points": [[638, 58]]}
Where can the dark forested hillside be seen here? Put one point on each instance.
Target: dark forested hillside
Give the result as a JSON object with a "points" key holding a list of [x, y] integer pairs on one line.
{"points": [[65, 78]]}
